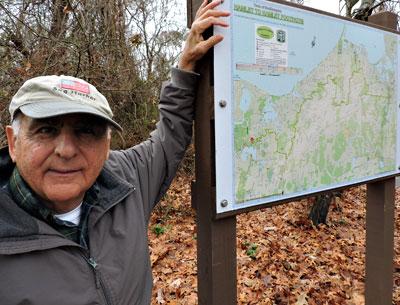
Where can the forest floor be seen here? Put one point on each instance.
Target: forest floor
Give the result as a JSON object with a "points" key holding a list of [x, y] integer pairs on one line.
{"points": [[281, 257]]}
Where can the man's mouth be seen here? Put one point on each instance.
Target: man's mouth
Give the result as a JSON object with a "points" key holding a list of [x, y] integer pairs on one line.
{"points": [[63, 171]]}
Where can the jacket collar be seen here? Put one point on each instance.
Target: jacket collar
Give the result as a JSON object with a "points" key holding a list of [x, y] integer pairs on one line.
{"points": [[6, 166], [112, 188]]}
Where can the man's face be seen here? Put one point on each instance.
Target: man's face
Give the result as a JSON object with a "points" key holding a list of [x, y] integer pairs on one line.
{"points": [[60, 157]]}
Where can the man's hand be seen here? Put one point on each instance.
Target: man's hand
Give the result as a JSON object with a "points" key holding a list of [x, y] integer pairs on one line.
{"points": [[195, 45]]}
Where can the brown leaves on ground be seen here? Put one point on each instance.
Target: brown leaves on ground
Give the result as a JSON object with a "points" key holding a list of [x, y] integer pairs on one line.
{"points": [[281, 257]]}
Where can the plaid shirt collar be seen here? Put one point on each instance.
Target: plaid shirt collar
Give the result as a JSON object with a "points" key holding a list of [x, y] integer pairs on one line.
{"points": [[28, 201]]}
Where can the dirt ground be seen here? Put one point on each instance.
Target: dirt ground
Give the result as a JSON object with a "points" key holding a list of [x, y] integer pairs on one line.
{"points": [[281, 257]]}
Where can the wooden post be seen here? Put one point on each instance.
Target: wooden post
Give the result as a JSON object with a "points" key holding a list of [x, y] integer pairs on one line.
{"points": [[216, 239], [380, 222], [380, 243]]}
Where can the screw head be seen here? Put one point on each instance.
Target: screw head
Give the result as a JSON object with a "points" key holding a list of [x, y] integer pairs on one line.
{"points": [[224, 203], [222, 103]]}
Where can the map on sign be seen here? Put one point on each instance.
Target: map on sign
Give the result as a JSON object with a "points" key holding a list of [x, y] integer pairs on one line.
{"points": [[311, 104]]}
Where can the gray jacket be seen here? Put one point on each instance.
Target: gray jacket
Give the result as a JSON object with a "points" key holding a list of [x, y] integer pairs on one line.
{"points": [[39, 266]]}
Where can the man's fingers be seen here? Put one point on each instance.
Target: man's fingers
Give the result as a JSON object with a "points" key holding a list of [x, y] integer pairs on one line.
{"points": [[202, 9], [214, 13], [210, 42], [202, 47], [195, 46], [207, 16], [202, 25]]}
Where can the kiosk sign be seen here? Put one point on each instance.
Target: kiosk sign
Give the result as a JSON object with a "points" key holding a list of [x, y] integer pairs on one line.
{"points": [[312, 104]]}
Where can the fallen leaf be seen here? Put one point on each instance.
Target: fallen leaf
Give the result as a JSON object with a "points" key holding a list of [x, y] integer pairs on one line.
{"points": [[267, 280], [357, 299], [302, 299], [249, 282], [176, 284], [160, 297]]}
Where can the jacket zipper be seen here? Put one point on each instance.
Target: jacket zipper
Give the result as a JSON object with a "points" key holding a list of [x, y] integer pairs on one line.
{"points": [[98, 280], [94, 265]]}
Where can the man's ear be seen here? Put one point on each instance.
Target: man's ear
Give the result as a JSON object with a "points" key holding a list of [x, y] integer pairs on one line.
{"points": [[108, 149], [108, 142], [11, 139]]}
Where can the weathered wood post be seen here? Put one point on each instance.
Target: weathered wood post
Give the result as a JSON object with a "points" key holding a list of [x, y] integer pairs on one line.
{"points": [[380, 222], [216, 239]]}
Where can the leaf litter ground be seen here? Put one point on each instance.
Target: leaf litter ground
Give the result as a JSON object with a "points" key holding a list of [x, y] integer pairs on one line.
{"points": [[281, 257]]}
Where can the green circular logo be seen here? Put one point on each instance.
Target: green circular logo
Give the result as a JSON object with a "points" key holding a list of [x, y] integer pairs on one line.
{"points": [[265, 32]]}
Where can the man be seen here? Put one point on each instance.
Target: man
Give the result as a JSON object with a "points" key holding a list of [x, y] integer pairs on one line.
{"points": [[73, 221]]}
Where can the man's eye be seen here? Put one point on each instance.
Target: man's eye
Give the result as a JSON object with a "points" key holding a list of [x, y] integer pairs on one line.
{"points": [[86, 131], [95, 131], [47, 130]]}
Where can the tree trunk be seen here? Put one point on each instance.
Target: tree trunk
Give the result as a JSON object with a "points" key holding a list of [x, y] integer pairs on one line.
{"points": [[319, 211], [58, 23]]}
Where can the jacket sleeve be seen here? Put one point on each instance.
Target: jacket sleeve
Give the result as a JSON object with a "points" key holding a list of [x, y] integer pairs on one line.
{"points": [[152, 164]]}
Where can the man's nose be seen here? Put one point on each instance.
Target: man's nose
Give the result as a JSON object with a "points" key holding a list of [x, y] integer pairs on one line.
{"points": [[66, 145]]}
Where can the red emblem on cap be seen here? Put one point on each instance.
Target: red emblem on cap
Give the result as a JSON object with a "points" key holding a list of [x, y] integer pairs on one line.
{"points": [[75, 85]]}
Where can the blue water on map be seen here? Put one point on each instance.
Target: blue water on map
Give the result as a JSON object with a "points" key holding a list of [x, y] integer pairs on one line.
{"points": [[372, 41], [248, 152], [269, 113], [245, 100]]}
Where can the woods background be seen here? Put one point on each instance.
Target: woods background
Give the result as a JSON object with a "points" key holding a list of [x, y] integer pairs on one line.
{"points": [[124, 47]]}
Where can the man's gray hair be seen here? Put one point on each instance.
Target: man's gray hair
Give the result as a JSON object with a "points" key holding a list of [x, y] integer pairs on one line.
{"points": [[16, 124]]}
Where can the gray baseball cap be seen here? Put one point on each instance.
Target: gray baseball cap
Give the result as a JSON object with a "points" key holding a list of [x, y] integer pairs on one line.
{"points": [[48, 96]]}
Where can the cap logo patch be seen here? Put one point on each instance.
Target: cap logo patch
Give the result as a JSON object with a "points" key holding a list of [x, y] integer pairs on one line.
{"points": [[75, 85]]}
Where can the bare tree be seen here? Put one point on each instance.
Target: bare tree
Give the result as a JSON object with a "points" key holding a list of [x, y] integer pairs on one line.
{"points": [[155, 35], [367, 7], [124, 47]]}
